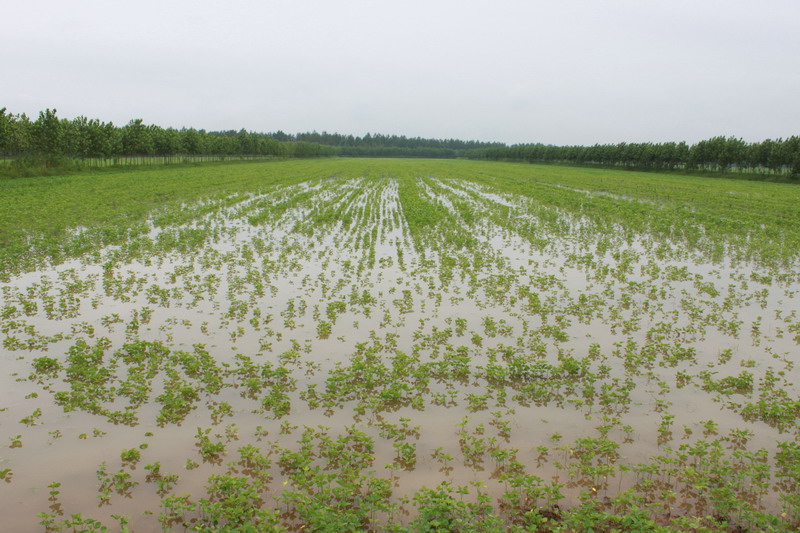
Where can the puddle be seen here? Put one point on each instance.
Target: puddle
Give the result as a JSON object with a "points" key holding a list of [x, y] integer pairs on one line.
{"points": [[316, 306]]}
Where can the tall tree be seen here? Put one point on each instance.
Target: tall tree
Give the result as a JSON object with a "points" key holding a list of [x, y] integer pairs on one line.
{"points": [[136, 139], [47, 134]]}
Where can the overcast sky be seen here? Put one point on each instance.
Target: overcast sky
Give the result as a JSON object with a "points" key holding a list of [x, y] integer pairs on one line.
{"points": [[556, 72]]}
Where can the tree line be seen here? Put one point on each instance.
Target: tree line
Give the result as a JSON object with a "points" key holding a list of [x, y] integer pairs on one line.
{"points": [[720, 154], [379, 145], [50, 139]]}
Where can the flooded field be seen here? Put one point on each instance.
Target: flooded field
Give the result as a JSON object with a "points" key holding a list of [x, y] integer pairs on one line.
{"points": [[397, 345]]}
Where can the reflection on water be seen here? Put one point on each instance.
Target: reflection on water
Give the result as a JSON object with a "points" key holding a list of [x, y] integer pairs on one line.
{"points": [[286, 321]]}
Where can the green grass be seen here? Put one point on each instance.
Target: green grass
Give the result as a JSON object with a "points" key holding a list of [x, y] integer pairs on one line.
{"points": [[402, 346], [37, 213]]}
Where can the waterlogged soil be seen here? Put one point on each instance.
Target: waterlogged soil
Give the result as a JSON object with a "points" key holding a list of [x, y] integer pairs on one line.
{"points": [[356, 346]]}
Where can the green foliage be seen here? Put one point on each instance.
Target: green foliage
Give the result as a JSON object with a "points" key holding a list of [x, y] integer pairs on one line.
{"points": [[588, 350], [51, 142], [719, 154]]}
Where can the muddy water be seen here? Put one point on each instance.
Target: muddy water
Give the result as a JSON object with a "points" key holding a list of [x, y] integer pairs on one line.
{"points": [[265, 291]]}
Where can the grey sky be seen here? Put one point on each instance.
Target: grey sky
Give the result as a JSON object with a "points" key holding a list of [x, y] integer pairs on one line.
{"points": [[560, 72]]}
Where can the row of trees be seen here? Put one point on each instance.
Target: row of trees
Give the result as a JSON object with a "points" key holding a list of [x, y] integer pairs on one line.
{"points": [[378, 141], [51, 137], [718, 154]]}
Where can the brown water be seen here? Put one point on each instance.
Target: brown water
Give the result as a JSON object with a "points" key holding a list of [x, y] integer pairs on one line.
{"points": [[595, 306]]}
